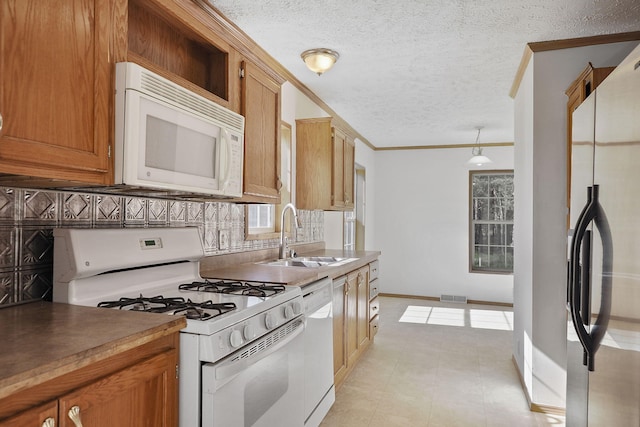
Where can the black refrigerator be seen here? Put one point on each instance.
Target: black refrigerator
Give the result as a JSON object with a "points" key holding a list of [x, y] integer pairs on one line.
{"points": [[603, 291]]}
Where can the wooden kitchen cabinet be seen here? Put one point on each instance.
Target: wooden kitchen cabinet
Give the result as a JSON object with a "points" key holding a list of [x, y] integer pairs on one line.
{"points": [[134, 388], [374, 303], [57, 84], [261, 109], [351, 321], [144, 393], [56, 87], [45, 415], [339, 330], [325, 156]]}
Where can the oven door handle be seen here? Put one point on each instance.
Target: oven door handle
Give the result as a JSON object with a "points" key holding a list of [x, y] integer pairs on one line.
{"points": [[228, 369]]}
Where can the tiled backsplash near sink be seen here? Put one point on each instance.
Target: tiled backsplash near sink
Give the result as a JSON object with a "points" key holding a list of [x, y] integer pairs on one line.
{"points": [[28, 217]]}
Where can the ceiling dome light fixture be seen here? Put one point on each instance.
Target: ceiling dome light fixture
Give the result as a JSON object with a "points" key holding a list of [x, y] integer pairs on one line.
{"points": [[320, 60], [478, 159]]}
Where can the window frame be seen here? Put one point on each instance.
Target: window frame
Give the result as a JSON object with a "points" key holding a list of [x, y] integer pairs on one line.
{"points": [[472, 222]]}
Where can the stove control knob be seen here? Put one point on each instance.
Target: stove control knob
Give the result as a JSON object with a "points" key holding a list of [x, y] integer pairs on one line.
{"points": [[235, 339], [248, 332], [288, 311], [297, 308], [270, 321]]}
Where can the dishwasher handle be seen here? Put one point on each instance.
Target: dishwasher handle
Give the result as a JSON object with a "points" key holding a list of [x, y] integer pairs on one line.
{"points": [[316, 295]]}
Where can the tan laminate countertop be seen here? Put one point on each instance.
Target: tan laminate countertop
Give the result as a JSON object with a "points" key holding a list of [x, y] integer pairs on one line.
{"points": [[43, 340], [295, 276]]}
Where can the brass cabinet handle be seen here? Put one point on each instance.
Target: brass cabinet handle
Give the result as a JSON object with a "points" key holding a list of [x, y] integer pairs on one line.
{"points": [[1, 121], [49, 422], [74, 415]]}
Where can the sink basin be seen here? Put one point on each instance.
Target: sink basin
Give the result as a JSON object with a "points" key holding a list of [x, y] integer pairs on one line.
{"points": [[309, 261]]}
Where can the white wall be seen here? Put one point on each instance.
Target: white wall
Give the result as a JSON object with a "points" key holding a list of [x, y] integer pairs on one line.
{"points": [[540, 188], [422, 224], [365, 157]]}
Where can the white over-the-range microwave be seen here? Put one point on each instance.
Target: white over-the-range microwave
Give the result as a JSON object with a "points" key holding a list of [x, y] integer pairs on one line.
{"points": [[169, 138]]}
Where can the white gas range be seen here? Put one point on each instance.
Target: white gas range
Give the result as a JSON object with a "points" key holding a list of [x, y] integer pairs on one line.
{"points": [[241, 354]]}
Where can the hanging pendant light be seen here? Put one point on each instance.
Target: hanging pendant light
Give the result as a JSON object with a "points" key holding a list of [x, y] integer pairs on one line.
{"points": [[320, 60], [478, 158]]}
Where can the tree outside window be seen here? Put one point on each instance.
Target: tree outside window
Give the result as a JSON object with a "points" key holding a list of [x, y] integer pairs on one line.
{"points": [[491, 221]]}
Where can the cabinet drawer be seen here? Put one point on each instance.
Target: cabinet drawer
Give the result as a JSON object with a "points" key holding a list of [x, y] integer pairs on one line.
{"points": [[373, 327], [373, 267], [374, 308], [373, 289]]}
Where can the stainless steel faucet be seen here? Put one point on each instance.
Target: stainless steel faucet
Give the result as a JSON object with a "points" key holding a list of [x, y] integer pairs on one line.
{"points": [[283, 253]]}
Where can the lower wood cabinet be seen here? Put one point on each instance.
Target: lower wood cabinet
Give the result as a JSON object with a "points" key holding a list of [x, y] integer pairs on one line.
{"points": [[44, 415], [351, 321], [374, 303], [144, 392]]}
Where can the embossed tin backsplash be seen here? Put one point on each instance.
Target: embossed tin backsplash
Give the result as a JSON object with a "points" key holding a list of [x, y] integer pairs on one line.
{"points": [[28, 217]]}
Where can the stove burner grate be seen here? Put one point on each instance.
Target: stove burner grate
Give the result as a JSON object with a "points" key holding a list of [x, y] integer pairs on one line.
{"points": [[171, 305], [234, 288]]}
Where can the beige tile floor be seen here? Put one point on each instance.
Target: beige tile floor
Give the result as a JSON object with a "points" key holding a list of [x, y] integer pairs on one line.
{"points": [[437, 365]]}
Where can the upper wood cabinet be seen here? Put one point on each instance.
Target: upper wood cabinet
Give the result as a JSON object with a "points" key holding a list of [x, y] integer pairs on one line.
{"points": [[324, 165], [261, 109], [57, 83], [55, 89], [179, 40]]}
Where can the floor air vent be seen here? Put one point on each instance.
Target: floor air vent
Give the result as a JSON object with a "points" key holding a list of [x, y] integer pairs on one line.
{"points": [[453, 298]]}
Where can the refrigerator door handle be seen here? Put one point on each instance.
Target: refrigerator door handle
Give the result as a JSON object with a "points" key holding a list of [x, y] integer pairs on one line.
{"points": [[571, 283], [585, 285], [599, 327], [575, 293], [580, 278], [585, 276]]}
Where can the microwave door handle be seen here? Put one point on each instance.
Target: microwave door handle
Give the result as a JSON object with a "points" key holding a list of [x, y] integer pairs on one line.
{"points": [[224, 137]]}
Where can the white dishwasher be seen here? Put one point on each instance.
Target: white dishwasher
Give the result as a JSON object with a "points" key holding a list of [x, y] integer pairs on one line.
{"points": [[319, 393]]}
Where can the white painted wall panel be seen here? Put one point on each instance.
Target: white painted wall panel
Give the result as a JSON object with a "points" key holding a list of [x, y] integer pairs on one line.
{"points": [[422, 224]]}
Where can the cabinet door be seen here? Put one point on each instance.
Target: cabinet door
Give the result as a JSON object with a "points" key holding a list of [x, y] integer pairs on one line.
{"points": [[314, 160], [348, 172], [352, 317], [363, 307], [261, 109], [45, 415], [56, 89], [337, 173], [144, 394], [339, 308]]}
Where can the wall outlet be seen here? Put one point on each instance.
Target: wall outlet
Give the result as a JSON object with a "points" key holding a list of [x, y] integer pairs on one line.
{"points": [[223, 239]]}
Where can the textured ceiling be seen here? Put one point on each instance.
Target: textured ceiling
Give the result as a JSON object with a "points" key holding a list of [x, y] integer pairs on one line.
{"points": [[421, 72]]}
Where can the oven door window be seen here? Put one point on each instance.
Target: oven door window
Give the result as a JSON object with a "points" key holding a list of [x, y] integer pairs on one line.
{"points": [[265, 389]]}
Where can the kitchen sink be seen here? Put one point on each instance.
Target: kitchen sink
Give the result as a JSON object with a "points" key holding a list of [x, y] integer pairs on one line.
{"points": [[309, 261]]}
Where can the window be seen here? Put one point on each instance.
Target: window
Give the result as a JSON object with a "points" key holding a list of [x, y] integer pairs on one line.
{"points": [[491, 228], [261, 218], [349, 229]]}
